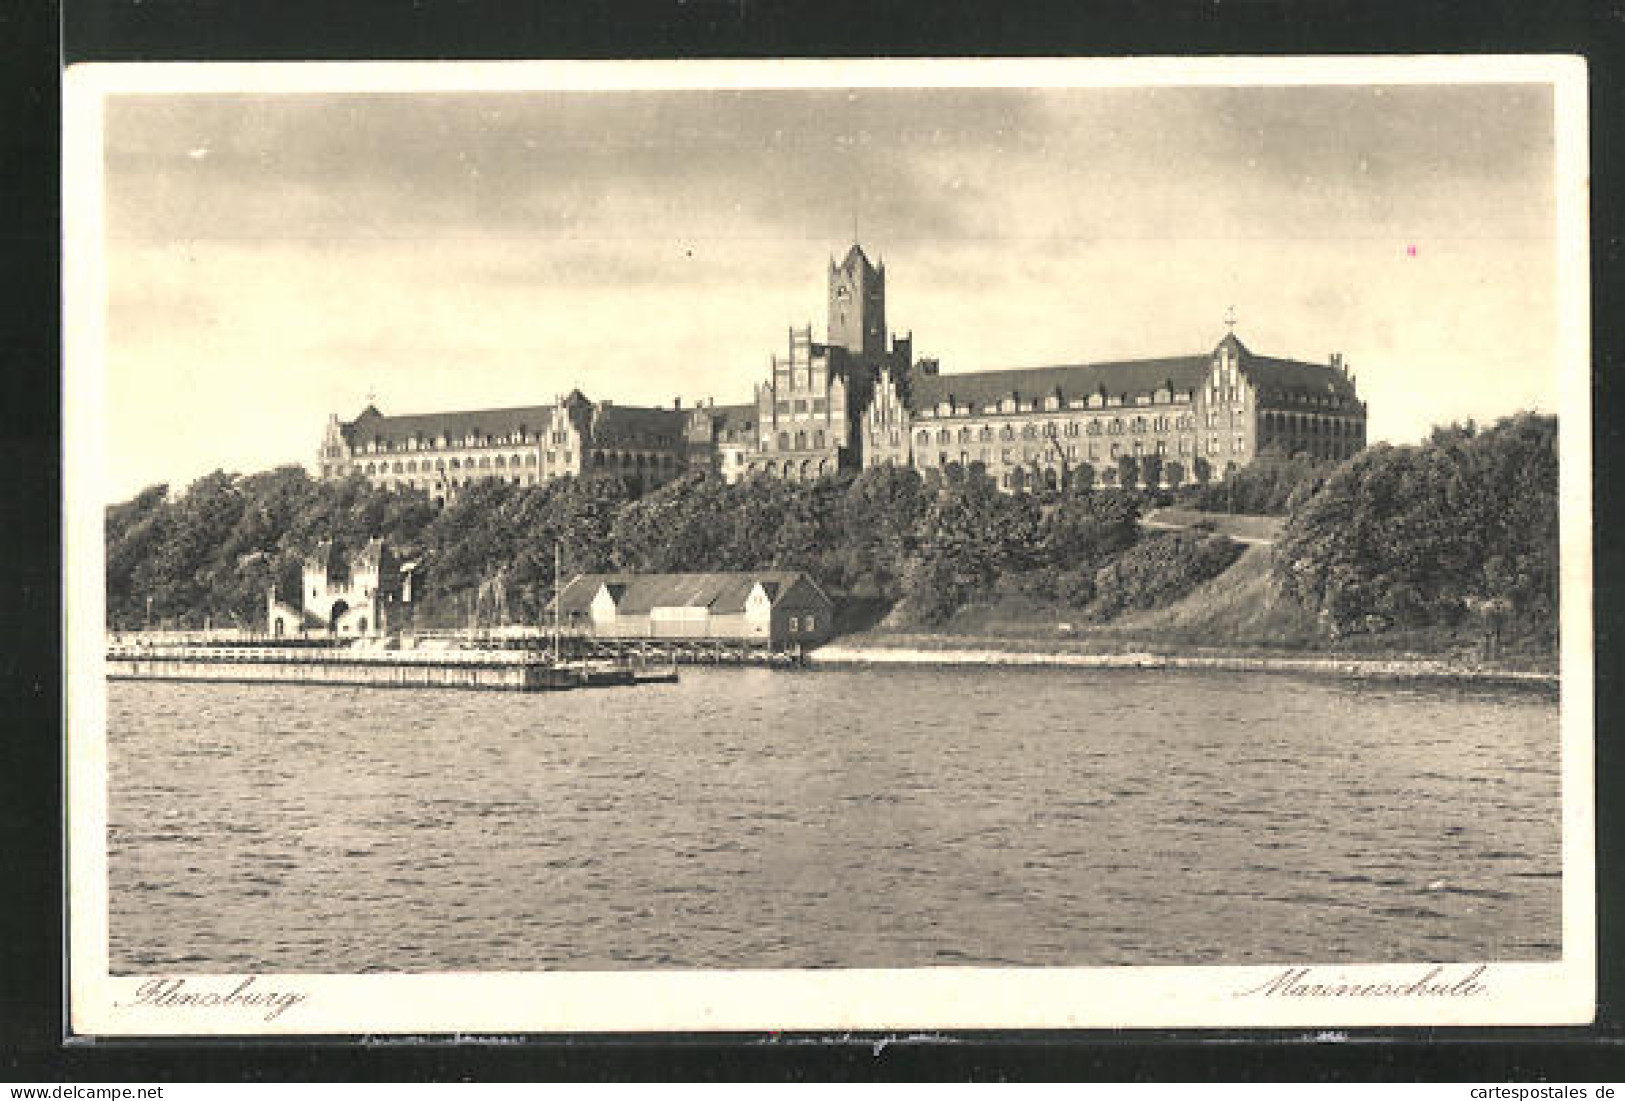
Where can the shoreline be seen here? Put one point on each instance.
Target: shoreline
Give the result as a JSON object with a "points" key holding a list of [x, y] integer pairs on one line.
{"points": [[1385, 668]]}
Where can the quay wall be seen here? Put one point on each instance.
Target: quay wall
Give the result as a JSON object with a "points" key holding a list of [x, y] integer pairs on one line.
{"points": [[513, 672]]}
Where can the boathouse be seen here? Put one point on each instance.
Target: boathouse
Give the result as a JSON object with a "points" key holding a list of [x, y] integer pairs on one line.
{"points": [[778, 608]]}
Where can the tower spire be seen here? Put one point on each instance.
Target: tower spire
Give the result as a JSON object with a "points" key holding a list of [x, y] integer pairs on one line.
{"points": [[1230, 319]]}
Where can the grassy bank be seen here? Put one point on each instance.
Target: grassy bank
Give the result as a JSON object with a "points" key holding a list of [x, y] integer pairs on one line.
{"points": [[1240, 614]]}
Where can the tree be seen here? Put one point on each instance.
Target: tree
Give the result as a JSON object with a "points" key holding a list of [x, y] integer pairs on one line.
{"points": [[1421, 536], [1151, 471], [1128, 471], [1202, 469]]}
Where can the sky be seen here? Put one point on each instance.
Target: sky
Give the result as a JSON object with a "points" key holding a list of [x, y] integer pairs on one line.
{"points": [[275, 258]]}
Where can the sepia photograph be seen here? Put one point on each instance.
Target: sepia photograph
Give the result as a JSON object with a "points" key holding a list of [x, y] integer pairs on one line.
{"points": [[757, 546]]}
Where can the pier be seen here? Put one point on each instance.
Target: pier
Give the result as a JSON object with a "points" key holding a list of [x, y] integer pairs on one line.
{"points": [[510, 670]]}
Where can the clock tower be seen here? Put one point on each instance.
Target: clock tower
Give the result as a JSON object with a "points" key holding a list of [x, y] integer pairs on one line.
{"points": [[857, 305]]}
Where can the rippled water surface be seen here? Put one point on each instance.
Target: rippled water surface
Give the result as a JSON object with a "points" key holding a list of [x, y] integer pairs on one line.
{"points": [[749, 818]]}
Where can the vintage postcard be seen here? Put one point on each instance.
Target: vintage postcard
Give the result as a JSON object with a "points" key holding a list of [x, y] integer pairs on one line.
{"points": [[930, 545]]}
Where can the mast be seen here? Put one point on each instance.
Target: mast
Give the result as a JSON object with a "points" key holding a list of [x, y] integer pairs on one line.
{"points": [[558, 592]]}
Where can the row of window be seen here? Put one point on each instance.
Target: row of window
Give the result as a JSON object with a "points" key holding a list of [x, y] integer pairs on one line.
{"points": [[419, 442], [1093, 452], [410, 466], [803, 624], [800, 406], [630, 460], [1307, 424], [1055, 402], [1053, 429], [439, 482], [798, 441]]}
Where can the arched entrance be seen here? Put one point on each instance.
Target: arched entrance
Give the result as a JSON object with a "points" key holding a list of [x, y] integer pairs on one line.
{"points": [[333, 617]]}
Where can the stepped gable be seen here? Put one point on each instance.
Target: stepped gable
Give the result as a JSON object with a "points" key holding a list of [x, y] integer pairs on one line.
{"points": [[1071, 381], [637, 593], [499, 423]]}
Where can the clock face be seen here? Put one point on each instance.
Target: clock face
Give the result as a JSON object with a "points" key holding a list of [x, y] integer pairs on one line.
{"points": [[842, 293]]}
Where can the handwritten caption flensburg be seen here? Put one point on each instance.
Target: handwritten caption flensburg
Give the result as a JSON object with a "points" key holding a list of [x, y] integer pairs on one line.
{"points": [[1439, 982], [249, 993]]}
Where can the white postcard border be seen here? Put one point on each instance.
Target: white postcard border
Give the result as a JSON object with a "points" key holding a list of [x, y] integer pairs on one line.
{"points": [[1297, 996]]}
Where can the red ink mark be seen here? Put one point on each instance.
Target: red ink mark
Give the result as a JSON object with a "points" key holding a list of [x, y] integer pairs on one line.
{"points": [[1410, 250]]}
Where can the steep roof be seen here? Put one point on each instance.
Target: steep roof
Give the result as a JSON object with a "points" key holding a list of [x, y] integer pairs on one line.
{"points": [[1078, 380], [1124, 377], [722, 593], [734, 423], [856, 254], [632, 425], [455, 425], [1271, 375]]}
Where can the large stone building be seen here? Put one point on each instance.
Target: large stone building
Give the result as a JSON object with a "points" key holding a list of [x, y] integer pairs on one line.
{"points": [[1181, 419], [861, 399], [441, 453]]}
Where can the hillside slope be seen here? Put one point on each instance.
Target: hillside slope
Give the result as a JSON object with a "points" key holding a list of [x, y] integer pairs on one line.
{"points": [[1242, 606]]}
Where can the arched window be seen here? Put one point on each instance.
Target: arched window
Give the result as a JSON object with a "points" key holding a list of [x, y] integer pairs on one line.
{"points": [[784, 441], [801, 440], [925, 438], [1007, 433], [1029, 432], [944, 436], [964, 435], [455, 464], [986, 433], [818, 438]]}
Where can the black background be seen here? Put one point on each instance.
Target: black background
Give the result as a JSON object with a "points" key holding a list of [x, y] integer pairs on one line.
{"points": [[36, 37]]}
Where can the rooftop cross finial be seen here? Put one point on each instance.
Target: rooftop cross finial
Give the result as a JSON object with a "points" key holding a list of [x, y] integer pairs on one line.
{"points": [[372, 395], [1230, 319]]}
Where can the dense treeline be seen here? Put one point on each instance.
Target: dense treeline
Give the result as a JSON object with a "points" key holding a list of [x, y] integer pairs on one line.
{"points": [[1460, 527], [1463, 528], [1272, 485], [873, 540]]}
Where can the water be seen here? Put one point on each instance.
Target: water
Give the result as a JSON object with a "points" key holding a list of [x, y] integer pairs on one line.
{"points": [[750, 818]]}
